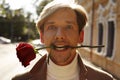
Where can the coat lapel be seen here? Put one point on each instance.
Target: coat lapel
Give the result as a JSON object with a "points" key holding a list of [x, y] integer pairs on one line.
{"points": [[83, 70], [39, 71]]}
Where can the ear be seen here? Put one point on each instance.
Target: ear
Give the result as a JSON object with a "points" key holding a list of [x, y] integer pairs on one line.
{"points": [[81, 38], [41, 37]]}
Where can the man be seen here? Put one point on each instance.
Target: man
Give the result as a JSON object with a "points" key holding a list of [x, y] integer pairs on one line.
{"points": [[61, 25]]}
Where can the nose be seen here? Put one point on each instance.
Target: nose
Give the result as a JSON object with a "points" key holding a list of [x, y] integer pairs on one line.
{"points": [[60, 34]]}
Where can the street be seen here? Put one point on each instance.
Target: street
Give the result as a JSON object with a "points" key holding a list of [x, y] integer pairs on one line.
{"points": [[10, 65]]}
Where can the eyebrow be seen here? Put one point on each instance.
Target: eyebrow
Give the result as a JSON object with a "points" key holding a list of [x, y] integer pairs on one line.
{"points": [[70, 22], [52, 22]]}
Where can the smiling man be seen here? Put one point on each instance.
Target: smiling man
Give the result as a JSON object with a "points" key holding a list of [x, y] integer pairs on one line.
{"points": [[61, 26], [61, 29]]}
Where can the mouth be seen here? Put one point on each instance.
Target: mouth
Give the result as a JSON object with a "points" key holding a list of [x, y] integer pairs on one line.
{"points": [[60, 47]]}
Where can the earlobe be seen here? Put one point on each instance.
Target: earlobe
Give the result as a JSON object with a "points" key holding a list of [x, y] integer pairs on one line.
{"points": [[81, 36]]}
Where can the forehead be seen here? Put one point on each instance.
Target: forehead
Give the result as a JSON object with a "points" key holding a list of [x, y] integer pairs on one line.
{"points": [[63, 13]]}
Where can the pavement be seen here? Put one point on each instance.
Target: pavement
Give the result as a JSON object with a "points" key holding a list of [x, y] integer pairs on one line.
{"points": [[10, 65]]}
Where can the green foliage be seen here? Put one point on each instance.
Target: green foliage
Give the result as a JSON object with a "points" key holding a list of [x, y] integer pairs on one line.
{"points": [[42, 5], [15, 26]]}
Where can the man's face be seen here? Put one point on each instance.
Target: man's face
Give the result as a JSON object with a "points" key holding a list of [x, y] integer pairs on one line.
{"points": [[61, 29]]}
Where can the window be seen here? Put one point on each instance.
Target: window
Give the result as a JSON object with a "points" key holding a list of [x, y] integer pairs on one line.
{"points": [[100, 36], [110, 41]]}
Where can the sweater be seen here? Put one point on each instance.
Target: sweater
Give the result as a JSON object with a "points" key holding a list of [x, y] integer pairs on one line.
{"points": [[67, 72]]}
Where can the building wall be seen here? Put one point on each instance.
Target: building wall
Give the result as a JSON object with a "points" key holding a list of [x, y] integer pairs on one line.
{"points": [[107, 14], [117, 55]]}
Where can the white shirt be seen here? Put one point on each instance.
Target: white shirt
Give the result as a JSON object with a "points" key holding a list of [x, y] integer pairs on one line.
{"points": [[67, 72]]}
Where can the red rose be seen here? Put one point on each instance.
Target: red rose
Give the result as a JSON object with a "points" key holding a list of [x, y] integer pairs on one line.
{"points": [[25, 53]]}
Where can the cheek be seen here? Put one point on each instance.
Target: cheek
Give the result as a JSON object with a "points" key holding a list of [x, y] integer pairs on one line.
{"points": [[48, 38], [73, 38]]}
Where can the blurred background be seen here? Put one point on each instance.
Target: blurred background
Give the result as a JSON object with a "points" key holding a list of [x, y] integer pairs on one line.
{"points": [[17, 24], [17, 19]]}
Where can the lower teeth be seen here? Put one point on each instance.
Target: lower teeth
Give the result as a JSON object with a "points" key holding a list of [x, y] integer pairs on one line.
{"points": [[60, 48]]}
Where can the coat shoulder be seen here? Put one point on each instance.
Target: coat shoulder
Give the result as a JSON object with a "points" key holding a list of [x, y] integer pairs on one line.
{"points": [[24, 76], [97, 74], [39, 66]]}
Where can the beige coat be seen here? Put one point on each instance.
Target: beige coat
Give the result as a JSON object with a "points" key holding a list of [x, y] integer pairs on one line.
{"points": [[38, 72]]}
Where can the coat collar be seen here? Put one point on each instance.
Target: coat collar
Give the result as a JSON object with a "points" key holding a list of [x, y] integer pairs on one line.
{"points": [[39, 71], [83, 69]]}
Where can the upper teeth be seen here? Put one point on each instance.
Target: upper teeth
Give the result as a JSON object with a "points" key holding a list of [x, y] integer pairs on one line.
{"points": [[60, 46]]}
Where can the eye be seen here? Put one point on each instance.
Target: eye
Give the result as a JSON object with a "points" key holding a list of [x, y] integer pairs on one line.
{"points": [[69, 27], [52, 27]]}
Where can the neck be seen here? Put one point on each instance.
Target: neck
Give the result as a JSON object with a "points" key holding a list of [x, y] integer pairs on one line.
{"points": [[61, 72]]}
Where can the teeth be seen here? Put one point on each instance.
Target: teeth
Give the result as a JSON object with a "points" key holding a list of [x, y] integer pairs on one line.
{"points": [[60, 47]]}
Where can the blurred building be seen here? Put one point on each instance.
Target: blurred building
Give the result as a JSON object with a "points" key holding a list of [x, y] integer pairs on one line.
{"points": [[103, 29]]}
